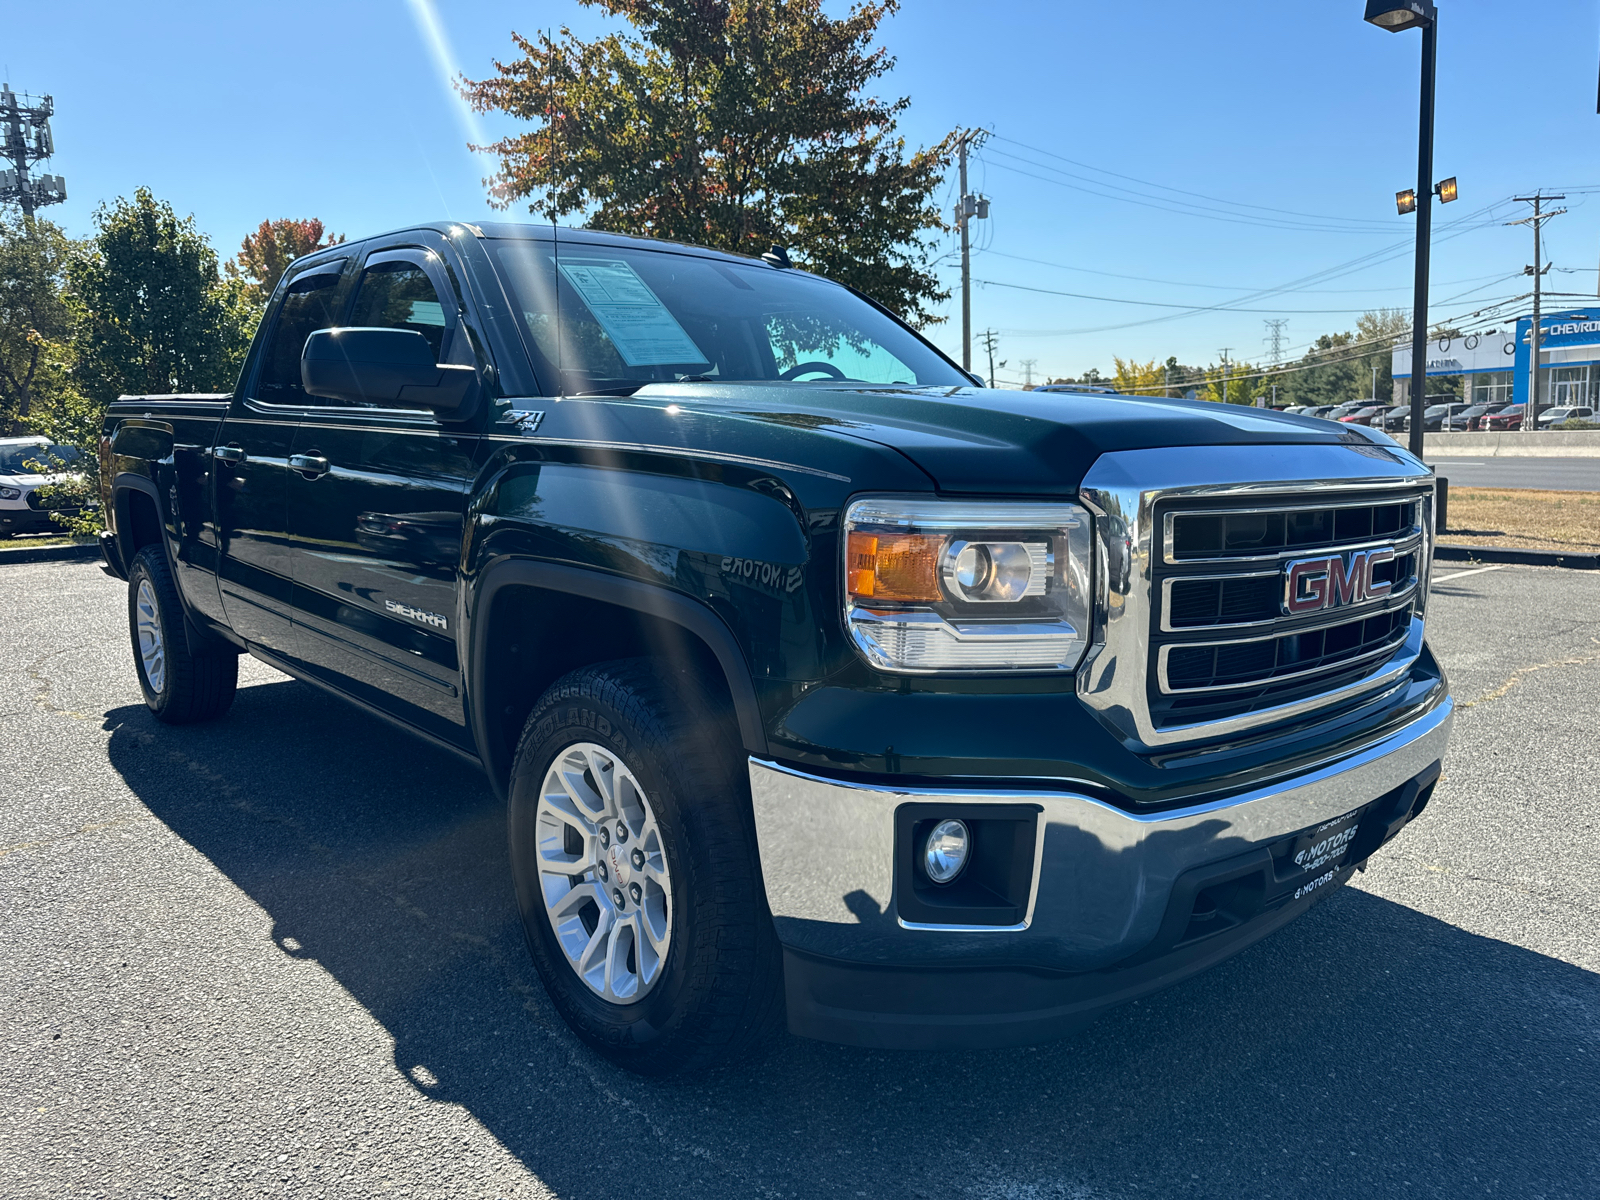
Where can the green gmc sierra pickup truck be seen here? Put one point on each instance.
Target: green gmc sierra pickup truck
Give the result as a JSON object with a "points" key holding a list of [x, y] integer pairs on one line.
{"points": [[824, 686]]}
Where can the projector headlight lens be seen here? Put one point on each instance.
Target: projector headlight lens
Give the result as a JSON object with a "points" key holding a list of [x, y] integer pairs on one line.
{"points": [[945, 851], [941, 586]]}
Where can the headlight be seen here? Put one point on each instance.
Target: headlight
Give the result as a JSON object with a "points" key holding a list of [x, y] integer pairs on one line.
{"points": [[9, 493], [934, 585]]}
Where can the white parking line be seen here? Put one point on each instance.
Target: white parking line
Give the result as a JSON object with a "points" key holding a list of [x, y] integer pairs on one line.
{"points": [[1472, 571]]}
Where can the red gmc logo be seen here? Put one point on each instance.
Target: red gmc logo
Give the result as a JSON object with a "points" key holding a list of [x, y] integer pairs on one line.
{"points": [[1313, 584]]}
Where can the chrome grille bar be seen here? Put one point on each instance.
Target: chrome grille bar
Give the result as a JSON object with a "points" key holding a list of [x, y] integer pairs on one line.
{"points": [[1135, 494]]}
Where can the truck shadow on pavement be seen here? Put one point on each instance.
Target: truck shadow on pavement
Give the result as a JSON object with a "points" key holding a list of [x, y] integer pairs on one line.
{"points": [[1366, 1050]]}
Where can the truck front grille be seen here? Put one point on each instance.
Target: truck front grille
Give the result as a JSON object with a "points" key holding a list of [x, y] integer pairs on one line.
{"points": [[1256, 532], [1223, 641]]}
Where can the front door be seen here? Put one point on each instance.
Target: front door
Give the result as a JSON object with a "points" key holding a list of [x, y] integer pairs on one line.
{"points": [[250, 466], [1569, 386], [377, 500]]}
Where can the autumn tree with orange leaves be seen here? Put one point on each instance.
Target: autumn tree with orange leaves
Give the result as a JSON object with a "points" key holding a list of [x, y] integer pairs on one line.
{"points": [[735, 124], [266, 254]]}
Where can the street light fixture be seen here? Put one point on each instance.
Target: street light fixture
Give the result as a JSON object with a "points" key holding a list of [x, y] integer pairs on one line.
{"points": [[1406, 201], [1395, 16], [1398, 16]]}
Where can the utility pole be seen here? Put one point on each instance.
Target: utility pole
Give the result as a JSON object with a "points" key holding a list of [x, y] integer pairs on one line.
{"points": [[25, 140], [1374, 385], [968, 207], [1027, 371], [991, 340], [1530, 410], [1224, 353]]}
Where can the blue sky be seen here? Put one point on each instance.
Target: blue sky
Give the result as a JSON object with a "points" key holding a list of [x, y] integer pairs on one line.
{"points": [[244, 111]]}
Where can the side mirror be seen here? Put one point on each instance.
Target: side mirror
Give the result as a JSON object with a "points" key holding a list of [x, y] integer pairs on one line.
{"points": [[385, 367]]}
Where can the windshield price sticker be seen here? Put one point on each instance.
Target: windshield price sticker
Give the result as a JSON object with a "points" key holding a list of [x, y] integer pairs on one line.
{"points": [[638, 324]]}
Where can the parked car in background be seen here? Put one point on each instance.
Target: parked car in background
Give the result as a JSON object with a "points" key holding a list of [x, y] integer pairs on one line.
{"points": [[1340, 411], [1367, 414], [1556, 417], [28, 464], [1317, 410], [1433, 417], [1468, 419], [1504, 421]]}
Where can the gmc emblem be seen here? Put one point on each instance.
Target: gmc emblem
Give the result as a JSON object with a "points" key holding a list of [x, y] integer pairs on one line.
{"points": [[1313, 584]]}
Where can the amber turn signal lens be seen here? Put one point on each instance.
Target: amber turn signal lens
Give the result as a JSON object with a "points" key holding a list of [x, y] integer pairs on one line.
{"points": [[893, 566]]}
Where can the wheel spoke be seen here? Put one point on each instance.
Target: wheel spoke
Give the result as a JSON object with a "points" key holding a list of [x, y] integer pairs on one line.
{"points": [[604, 778], [593, 954], [619, 980], [570, 904]]}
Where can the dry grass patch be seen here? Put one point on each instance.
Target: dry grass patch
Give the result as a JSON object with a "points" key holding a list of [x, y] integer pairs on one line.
{"points": [[1524, 519]]}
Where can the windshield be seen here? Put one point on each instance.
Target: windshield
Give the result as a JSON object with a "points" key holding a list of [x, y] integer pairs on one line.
{"points": [[14, 460], [630, 317]]}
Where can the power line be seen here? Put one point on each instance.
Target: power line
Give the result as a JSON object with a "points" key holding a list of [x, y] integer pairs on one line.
{"points": [[1183, 210], [1232, 287], [1273, 209], [1334, 272]]}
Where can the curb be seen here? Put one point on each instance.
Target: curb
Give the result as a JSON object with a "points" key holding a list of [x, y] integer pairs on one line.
{"points": [[1525, 558], [73, 552]]}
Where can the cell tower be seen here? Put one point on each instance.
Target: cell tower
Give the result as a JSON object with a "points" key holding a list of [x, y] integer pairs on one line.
{"points": [[25, 133], [1274, 338]]}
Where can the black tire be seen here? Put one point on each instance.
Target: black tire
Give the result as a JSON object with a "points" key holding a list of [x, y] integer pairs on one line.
{"points": [[718, 995], [192, 687]]}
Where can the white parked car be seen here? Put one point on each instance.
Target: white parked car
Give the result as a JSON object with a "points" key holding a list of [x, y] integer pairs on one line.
{"points": [[21, 508], [1553, 417]]}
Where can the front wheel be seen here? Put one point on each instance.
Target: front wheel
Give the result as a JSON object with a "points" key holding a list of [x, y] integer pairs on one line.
{"points": [[633, 854], [180, 687]]}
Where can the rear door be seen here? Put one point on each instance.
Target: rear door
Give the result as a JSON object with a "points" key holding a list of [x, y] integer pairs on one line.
{"points": [[250, 462], [377, 502]]}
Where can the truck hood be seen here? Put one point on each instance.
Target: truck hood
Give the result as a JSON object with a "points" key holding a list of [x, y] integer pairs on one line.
{"points": [[980, 439]]}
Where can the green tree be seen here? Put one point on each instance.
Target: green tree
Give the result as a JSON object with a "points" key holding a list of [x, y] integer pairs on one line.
{"points": [[736, 124], [265, 254], [1140, 378], [1381, 329], [153, 315], [1240, 383], [34, 317]]}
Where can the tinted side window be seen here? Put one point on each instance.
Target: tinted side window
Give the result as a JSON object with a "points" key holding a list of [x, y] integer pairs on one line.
{"points": [[308, 306], [399, 295]]}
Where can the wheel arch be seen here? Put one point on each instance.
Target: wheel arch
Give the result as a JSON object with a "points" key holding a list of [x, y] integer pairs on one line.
{"points": [[136, 511], [532, 622]]}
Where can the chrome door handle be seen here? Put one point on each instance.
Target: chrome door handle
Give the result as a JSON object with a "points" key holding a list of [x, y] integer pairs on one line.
{"points": [[232, 455], [310, 466]]}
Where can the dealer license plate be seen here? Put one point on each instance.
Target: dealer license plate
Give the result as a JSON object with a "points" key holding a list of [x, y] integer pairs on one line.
{"points": [[1327, 844]]}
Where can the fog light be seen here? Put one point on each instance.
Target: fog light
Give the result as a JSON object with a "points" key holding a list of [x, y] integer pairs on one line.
{"points": [[945, 851]]}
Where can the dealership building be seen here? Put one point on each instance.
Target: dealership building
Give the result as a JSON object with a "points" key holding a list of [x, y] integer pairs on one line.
{"points": [[1494, 365]]}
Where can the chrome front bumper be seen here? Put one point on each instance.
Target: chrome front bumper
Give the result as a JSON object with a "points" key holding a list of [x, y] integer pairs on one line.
{"points": [[1102, 876]]}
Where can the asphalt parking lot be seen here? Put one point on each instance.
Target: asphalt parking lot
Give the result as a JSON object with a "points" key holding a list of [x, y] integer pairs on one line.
{"points": [[277, 955]]}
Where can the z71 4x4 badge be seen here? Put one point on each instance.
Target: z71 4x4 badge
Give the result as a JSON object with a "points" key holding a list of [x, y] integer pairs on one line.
{"points": [[417, 614]]}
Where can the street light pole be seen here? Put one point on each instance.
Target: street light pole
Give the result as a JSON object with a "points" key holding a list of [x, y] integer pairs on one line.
{"points": [[1419, 296], [1395, 16]]}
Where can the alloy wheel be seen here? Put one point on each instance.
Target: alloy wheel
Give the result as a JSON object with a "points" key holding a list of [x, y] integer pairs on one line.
{"points": [[603, 873], [152, 648]]}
